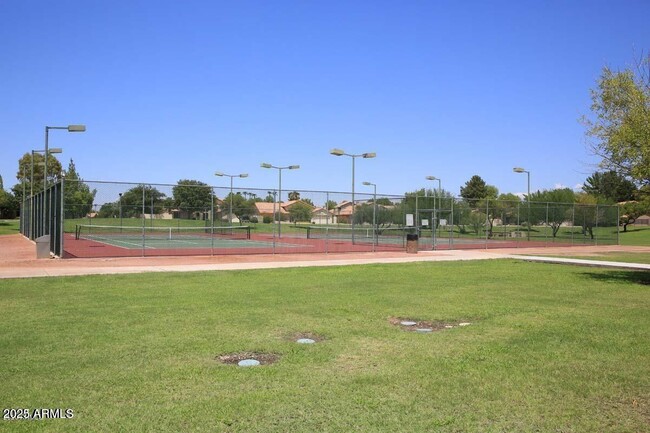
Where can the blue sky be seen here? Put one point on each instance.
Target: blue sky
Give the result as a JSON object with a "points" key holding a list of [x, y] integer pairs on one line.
{"points": [[175, 90]]}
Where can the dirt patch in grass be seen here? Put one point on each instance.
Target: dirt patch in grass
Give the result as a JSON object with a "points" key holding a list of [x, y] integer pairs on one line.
{"points": [[437, 325], [234, 358], [297, 336]]}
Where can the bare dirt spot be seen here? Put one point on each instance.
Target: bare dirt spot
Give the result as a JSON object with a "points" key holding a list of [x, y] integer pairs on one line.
{"points": [[234, 358], [415, 325], [297, 336]]}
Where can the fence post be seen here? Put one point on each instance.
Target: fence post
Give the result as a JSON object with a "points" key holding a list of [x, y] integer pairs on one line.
{"points": [[487, 216], [451, 231], [143, 221], [212, 221], [618, 225], [596, 226], [62, 219], [327, 226], [573, 222], [546, 231]]}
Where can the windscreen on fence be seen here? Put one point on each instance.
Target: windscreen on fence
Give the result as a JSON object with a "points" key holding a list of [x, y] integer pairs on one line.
{"points": [[41, 216], [107, 219]]}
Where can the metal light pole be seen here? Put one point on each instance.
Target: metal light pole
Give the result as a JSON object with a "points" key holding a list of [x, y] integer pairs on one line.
{"points": [[521, 170], [70, 128], [231, 176], [339, 152], [374, 214], [288, 167]]}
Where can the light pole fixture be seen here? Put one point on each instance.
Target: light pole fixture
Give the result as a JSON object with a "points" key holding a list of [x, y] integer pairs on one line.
{"points": [[521, 170], [69, 128], [231, 176], [374, 214], [279, 169], [367, 155]]}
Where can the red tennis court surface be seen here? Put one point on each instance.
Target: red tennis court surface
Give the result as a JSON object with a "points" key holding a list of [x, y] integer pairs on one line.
{"points": [[264, 243], [18, 259]]}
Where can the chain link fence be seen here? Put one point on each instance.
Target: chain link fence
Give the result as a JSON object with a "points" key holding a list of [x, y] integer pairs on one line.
{"points": [[117, 219]]}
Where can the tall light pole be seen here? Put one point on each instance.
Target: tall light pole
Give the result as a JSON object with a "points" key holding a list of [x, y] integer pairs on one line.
{"points": [[70, 128], [231, 176], [374, 213], [521, 170], [279, 169], [340, 152]]}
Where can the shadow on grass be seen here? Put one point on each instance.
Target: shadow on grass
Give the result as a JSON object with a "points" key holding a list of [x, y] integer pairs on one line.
{"points": [[634, 229], [620, 276]]}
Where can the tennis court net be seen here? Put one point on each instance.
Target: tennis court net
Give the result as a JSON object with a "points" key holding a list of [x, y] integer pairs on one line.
{"points": [[390, 235], [102, 232]]}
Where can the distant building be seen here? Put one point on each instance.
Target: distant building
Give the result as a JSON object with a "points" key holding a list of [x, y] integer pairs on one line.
{"points": [[320, 215], [643, 220]]}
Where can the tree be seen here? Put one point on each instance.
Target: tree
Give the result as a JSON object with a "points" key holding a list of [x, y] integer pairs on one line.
{"points": [[385, 216], [503, 207], [631, 210], [294, 195], [77, 197], [620, 130], [330, 204], [109, 210], [192, 195], [9, 206], [477, 189], [384, 201], [552, 207], [587, 213], [300, 212], [25, 170], [132, 205], [242, 208], [610, 186]]}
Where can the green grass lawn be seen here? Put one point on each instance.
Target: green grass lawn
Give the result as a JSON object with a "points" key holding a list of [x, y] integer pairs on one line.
{"points": [[9, 227], [635, 236], [614, 257], [564, 352]]}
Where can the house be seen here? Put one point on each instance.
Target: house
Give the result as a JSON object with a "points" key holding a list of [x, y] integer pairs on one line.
{"points": [[343, 212], [265, 209], [320, 215], [643, 220]]}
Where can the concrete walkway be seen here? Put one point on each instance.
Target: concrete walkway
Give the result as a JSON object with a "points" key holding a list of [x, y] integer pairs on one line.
{"points": [[583, 262], [17, 260]]}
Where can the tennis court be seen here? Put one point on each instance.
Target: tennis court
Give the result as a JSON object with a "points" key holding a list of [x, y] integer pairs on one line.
{"points": [[153, 220], [98, 240]]}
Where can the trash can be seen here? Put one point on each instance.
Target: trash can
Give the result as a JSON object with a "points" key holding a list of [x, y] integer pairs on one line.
{"points": [[412, 243], [43, 247]]}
